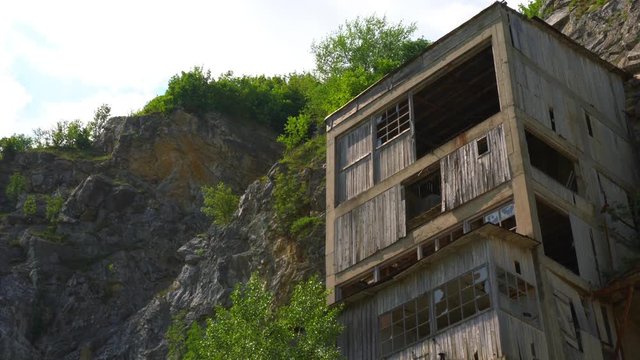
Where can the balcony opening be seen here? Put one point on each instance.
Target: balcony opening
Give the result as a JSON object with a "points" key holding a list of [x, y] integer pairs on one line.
{"points": [[557, 237], [551, 162], [423, 198], [456, 101]]}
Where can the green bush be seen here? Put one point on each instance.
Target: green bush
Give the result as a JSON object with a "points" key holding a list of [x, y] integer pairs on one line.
{"points": [[100, 117], [16, 143], [220, 203], [254, 327], [17, 185], [29, 206], [532, 8], [305, 226], [54, 204], [291, 199]]}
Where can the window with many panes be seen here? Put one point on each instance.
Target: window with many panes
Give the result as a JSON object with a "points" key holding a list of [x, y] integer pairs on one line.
{"points": [[448, 304], [392, 122], [461, 298], [517, 296]]}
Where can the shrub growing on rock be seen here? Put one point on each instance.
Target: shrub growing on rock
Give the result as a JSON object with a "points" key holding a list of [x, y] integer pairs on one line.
{"points": [[29, 206], [54, 204], [17, 185], [220, 203]]}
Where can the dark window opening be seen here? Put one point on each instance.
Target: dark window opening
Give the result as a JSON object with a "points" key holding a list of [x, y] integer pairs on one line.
{"points": [[557, 237], [392, 122], [552, 119], [551, 162], [482, 145], [356, 286], [455, 102], [423, 199], [389, 270], [587, 118], [516, 266], [576, 326]]}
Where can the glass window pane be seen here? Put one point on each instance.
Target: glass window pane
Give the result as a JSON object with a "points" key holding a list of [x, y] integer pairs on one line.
{"points": [[453, 301], [423, 331], [483, 303], [385, 334], [397, 314], [467, 295], [452, 287], [411, 336], [423, 317], [493, 218], [442, 322], [410, 308], [455, 316], [398, 343], [466, 280], [385, 320], [398, 329], [468, 309], [410, 322], [423, 302], [480, 275], [387, 347], [507, 212]]}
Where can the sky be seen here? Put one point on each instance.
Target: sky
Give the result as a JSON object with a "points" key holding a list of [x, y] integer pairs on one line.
{"points": [[60, 60]]}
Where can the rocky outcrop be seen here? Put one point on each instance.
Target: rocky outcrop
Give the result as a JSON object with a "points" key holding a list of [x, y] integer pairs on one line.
{"points": [[611, 30], [68, 290]]}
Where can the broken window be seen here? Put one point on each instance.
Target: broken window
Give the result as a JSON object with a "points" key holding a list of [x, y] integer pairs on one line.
{"points": [[503, 216], [461, 298], [393, 121], [404, 325], [453, 302], [517, 296], [423, 199], [396, 266], [482, 146], [456, 101], [557, 237], [568, 320], [551, 162]]}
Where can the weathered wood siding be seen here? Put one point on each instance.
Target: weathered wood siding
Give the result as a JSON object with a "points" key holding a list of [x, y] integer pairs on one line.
{"points": [[479, 333], [370, 227], [563, 67], [521, 340], [590, 252], [353, 162], [394, 156], [466, 175]]}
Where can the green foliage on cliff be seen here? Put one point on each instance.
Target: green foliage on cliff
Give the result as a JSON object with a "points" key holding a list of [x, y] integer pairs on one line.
{"points": [[53, 207], [17, 185], [11, 145], [255, 328], [267, 100], [532, 8], [29, 207], [220, 203]]}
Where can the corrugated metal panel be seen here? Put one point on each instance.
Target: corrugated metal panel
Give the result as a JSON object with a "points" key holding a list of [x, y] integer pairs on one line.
{"points": [[394, 156], [353, 162], [373, 225], [466, 175]]}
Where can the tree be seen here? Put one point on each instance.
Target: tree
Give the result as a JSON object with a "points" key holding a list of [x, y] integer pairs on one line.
{"points": [[100, 117], [220, 203], [532, 8], [254, 328], [371, 44], [16, 143]]}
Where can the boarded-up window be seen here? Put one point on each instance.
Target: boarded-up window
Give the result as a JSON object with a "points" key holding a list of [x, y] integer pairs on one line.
{"points": [[353, 163], [371, 226], [465, 174]]}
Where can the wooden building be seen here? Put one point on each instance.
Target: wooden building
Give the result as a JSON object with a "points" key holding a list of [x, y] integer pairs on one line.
{"points": [[466, 198]]}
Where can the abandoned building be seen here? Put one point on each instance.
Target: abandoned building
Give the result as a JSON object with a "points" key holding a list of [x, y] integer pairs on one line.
{"points": [[467, 197]]}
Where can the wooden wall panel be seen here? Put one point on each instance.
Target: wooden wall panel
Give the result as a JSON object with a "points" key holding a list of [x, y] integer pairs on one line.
{"points": [[586, 251], [395, 156], [353, 162], [593, 83], [465, 174], [521, 340], [370, 227]]}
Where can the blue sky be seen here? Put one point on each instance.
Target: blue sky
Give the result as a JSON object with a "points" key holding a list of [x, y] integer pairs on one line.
{"points": [[60, 60]]}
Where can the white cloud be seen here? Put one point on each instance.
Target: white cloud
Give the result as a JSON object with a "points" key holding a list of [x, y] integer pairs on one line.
{"points": [[123, 50]]}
